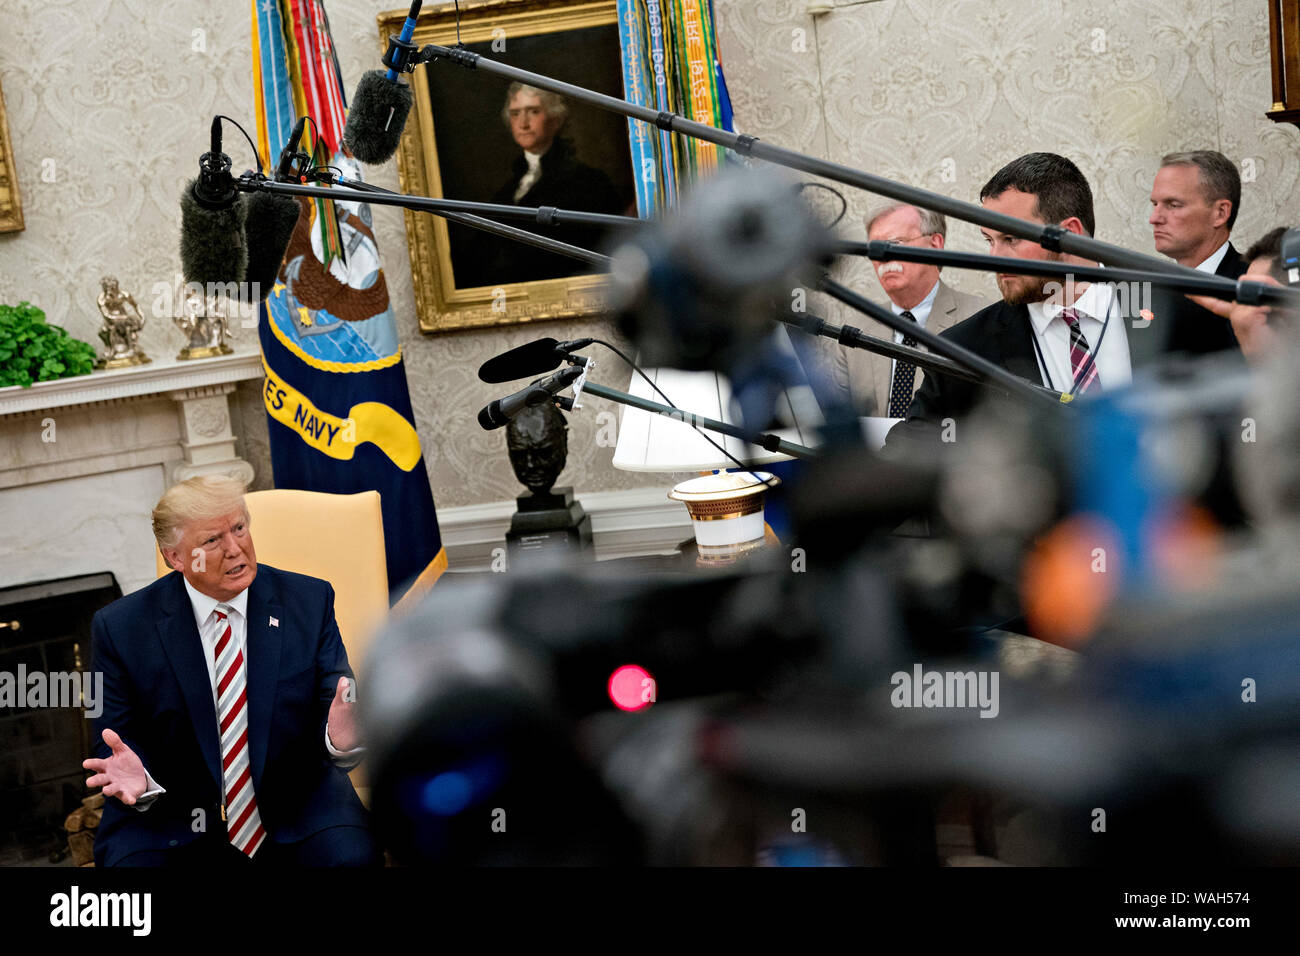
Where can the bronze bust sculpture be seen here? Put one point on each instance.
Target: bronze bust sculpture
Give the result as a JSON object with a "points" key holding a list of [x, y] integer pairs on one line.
{"points": [[537, 440]]}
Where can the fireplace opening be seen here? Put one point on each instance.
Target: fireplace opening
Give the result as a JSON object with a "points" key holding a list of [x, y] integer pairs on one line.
{"points": [[45, 631]]}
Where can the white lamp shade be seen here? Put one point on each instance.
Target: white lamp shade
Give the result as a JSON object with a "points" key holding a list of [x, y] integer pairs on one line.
{"points": [[652, 442]]}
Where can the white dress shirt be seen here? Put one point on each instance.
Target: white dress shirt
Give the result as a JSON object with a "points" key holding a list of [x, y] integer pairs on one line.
{"points": [[204, 608], [1114, 365], [530, 177], [1212, 263], [921, 312]]}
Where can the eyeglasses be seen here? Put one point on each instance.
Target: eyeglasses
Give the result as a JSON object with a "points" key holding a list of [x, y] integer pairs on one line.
{"points": [[923, 235]]}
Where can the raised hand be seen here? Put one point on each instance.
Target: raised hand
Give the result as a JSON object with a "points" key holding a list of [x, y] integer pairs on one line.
{"points": [[121, 774]]}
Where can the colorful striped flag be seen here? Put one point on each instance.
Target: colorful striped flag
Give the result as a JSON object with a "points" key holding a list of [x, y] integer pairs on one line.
{"points": [[671, 63], [336, 395]]}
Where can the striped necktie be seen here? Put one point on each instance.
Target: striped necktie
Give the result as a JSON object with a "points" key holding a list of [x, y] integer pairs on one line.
{"points": [[243, 822], [1079, 353], [900, 390]]}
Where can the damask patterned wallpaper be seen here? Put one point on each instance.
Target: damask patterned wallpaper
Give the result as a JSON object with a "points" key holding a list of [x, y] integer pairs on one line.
{"points": [[109, 103]]}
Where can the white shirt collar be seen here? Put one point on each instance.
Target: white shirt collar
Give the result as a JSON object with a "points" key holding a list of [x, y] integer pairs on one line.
{"points": [[534, 160], [204, 606], [920, 311], [1212, 263], [1095, 302]]}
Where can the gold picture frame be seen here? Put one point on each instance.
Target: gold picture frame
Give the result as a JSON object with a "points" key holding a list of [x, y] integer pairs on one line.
{"points": [[11, 206], [490, 27]]}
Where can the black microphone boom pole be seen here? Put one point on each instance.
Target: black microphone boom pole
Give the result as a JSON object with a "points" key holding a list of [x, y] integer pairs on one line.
{"points": [[855, 338], [543, 215], [492, 226], [1049, 237], [1198, 283]]}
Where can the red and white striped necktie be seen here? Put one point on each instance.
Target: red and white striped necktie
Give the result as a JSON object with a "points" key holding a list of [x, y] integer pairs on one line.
{"points": [[1079, 353], [243, 823]]}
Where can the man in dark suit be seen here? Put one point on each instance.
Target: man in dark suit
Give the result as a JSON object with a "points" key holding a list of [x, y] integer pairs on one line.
{"points": [[228, 718], [1194, 204], [547, 172], [1068, 336]]}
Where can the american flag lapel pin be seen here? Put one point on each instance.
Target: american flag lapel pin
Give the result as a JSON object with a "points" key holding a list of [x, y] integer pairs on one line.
{"points": [[275, 622]]}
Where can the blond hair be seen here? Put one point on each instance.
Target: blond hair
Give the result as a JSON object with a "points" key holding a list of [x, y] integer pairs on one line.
{"points": [[196, 499]]}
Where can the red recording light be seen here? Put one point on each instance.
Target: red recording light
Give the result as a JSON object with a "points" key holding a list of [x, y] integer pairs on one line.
{"points": [[631, 688]]}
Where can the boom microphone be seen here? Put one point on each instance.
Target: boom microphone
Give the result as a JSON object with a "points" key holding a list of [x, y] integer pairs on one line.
{"points": [[500, 412], [290, 151], [213, 214], [534, 358], [379, 107], [267, 230], [269, 225]]}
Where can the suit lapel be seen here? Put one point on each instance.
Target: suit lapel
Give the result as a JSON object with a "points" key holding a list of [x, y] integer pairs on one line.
{"points": [[263, 644], [184, 651], [1147, 340], [1016, 343], [1232, 266], [944, 311]]}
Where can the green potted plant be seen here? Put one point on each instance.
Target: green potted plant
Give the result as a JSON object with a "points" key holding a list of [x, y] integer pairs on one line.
{"points": [[33, 351]]}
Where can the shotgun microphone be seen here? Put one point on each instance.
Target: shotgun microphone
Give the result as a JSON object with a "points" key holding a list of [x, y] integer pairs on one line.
{"points": [[213, 213], [500, 412], [533, 358], [270, 224]]}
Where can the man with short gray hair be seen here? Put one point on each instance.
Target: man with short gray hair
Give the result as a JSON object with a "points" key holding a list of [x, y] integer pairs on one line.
{"points": [[877, 384], [1194, 204]]}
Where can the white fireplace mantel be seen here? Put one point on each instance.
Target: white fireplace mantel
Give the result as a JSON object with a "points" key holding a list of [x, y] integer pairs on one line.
{"points": [[84, 459], [124, 383]]}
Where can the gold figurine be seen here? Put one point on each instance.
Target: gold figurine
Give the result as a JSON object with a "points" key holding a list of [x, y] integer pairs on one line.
{"points": [[121, 329], [207, 331]]}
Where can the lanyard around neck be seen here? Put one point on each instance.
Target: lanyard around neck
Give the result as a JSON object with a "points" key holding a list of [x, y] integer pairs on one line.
{"points": [[1087, 366]]}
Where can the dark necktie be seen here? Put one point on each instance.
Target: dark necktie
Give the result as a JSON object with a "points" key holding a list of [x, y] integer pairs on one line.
{"points": [[900, 391], [1079, 353]]}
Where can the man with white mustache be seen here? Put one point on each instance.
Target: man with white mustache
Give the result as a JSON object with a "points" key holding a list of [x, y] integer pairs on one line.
{"points": [[876, 384]]}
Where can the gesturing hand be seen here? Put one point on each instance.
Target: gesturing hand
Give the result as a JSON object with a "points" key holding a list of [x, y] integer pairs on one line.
{"points": [[343, 731], [1249, 322], [121, 774]]}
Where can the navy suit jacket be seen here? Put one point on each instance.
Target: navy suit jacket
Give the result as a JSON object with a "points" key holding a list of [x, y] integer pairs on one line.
{"points": [[158, 699]]}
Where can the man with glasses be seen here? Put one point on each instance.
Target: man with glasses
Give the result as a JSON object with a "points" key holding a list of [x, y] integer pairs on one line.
{"points": [[877, 384]]}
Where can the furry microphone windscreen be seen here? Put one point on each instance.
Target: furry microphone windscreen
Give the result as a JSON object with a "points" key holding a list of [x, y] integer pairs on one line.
{"points": [[270, 225], [213, 248], [376, 118]]}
